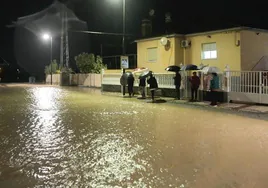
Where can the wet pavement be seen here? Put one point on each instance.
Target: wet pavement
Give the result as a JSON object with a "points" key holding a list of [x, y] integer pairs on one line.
{"points": [[79, 137]]}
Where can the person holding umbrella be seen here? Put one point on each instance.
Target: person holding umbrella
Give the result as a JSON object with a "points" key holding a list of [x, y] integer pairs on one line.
{"points": [[214, 88], [153, 85], [195, 83], [144, 72], [142, 86], [177, 83], [130, 83], [177, 79]]}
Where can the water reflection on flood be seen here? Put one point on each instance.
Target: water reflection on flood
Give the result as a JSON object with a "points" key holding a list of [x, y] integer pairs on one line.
{"points": [[79, 138]]}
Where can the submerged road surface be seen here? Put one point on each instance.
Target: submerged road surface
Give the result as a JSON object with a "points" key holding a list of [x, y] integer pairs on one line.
{"points": [[71, 137]]}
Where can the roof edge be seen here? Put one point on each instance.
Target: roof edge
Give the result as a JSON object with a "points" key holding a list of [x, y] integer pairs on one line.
{"points": [[218, 31], [159, 37], [236, 29]]}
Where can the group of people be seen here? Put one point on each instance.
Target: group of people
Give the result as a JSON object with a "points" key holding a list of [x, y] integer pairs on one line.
{"points": [[212, 86], [195, 83], [153, 85]]}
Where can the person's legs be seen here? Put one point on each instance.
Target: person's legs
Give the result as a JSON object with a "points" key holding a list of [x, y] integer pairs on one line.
{"points": [[213, 98], [178, 92], [129, 90], [195, 90], [132, 90], [143, 91], [192, 93], [152, 92]]}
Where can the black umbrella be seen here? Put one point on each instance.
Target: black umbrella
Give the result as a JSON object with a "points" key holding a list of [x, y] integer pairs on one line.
{"points": [[189, 67], [173, 68], [145, 74]]}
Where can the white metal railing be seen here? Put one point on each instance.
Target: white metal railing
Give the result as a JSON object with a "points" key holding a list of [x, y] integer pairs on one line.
{"points": [[164, 80], [247, 86], [249, 82], [111, 78]]}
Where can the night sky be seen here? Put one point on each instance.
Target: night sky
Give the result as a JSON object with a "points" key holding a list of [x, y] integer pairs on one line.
{"points": [[106, 15]]}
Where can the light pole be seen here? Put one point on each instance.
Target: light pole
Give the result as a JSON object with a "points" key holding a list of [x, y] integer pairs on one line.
{"points": [[124, 27], [123, 89], [123, 39], [47, 37]]}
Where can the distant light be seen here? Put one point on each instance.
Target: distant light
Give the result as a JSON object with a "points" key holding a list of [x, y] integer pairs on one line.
{"points": [[46, 36]]}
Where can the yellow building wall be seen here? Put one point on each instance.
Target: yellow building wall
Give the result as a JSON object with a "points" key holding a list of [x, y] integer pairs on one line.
{"points": [[227, 51], [165, 56], [179, 52], [254, 45]]}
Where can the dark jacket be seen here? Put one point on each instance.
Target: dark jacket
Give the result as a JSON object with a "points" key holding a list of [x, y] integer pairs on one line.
{"points": [[152, 82], [130, 81], [142, 82], [177, 79], [195, 82]]}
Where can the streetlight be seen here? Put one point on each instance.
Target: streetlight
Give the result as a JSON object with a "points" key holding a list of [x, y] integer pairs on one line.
{"points": [[124, 27], [46, 37]]}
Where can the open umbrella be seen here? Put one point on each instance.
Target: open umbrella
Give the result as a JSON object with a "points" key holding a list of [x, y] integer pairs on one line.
{"points": [[123, 79], [207, 70], [140, 70], [173, 68], [145, 74], [189, 67]]}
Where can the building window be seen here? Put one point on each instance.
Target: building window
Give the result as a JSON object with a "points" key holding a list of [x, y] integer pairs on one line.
{"points": [[152, 54], [209, 51]]}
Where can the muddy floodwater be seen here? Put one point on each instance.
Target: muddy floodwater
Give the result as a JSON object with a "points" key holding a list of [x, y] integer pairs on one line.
{"points": [[74, 137]]}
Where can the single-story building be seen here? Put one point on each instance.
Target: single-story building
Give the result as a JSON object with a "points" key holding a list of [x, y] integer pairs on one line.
{"points": [[242, 48]]}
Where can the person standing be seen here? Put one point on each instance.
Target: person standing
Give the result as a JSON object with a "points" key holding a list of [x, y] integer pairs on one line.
{"points": [[142, 86], [177, 83], [130, 83], [214, 87], [195, 83], [153, 85]]}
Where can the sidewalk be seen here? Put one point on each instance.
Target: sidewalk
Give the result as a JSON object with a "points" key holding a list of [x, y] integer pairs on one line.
{"points": [[252, 108], [242, 108]]}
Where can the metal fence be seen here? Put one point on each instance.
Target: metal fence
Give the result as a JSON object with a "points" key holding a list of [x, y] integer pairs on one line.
{"points": [[166, 81], [250, 86]]}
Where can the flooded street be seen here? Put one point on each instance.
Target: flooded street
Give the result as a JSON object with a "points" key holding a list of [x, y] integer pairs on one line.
{"points": [[75, 137]]}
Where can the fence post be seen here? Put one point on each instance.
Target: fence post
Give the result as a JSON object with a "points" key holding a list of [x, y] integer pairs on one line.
{"points": [[260, 86], [201, 86], [146, 87], [123, 88], [102, 73]]}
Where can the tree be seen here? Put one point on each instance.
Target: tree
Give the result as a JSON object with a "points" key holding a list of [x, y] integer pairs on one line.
{"points": [[99, 65], [87, 63], [54, 65]]}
